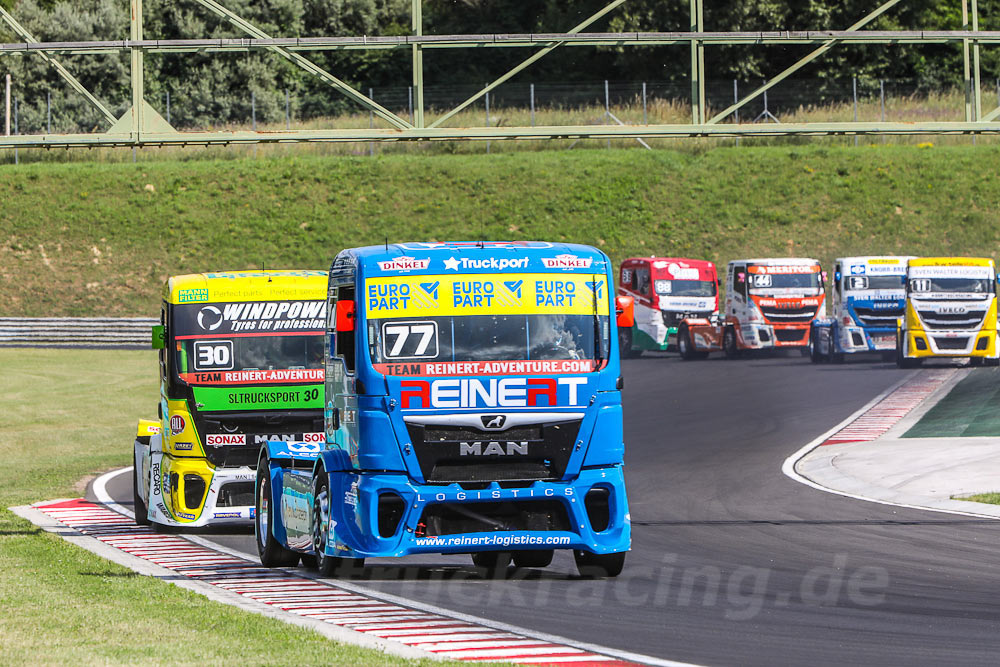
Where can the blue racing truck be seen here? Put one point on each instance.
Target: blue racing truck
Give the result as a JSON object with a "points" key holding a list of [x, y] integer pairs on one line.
{"points": [[472, 405], [868, 297]]}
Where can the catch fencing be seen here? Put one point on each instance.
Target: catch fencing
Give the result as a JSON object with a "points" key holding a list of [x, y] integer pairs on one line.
{"points": [[97, 332]]}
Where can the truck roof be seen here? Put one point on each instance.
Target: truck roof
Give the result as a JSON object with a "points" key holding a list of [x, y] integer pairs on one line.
{"points": [[876, 259], [245, 286], [474, 257], [793, 261], [698, 263], [951, 261]]}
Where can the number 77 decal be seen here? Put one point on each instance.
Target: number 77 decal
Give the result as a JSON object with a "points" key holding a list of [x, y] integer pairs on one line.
{"points": [[410, 340]]}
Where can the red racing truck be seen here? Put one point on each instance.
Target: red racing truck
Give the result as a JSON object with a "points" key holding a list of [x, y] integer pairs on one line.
{"points": [[665, 291]]}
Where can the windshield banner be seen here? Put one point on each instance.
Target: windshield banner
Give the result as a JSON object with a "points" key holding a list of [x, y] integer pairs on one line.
{"points": [[454, 368], [787, 268], [292, 375], [976, 272], [251, 317], [504, 294]]}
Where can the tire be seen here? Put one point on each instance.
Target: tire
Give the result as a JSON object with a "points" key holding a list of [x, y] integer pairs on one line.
{"points": [[684, 346], [901, 360], [836, 357], [272, 553], [991, 362], [976, 361], [494, 562], [729, 346], [599, 565], [328, 566], [138, 507], [625, 350], [888, 355], [539, 558], [815, 355]]}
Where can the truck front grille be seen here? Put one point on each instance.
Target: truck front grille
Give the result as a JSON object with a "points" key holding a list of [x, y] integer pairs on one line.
{"points": [[880, 317], [791, 335], [449, 454], [456, 518], [951, 343], [255, 427], [672, 318], [789, 315], [969, 320]]}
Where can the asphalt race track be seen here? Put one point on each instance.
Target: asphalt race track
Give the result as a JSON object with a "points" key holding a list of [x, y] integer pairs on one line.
{"points": [[732, 562]]}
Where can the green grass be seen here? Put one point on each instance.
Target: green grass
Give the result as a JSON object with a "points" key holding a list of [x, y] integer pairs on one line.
{"points": [[68, 414], [989, 498], [95, 239], [971, 408]]}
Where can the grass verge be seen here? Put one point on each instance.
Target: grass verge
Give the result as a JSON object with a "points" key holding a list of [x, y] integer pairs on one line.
{"points": [[989, 498], [68, 414], [98, 239]]}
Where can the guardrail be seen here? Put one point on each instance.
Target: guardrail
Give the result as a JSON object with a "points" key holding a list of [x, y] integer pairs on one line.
{"points": [[107, 332]]}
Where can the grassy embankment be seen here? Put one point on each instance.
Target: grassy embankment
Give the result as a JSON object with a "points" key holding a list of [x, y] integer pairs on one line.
{"points": [[67, 414], [86, 239]]}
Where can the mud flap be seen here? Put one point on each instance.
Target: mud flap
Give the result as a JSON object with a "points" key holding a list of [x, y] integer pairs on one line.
{"points": [[158, 511]]}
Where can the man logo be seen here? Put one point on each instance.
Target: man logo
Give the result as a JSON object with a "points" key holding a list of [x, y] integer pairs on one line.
{"points": [[209, 318], [493, 422]]}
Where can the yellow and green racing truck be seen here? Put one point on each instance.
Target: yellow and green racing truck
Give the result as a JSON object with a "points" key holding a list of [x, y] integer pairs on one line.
{"points": [[241, 364]]}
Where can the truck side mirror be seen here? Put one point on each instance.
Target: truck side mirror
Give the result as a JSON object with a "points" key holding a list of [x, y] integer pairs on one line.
{"points": [[345, 316], [159, 339], [625, 311]]}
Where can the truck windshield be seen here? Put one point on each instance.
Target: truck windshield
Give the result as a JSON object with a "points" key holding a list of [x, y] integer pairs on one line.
{"points": [[685, 287], [215, 344], [764, 279], [853, 283], [951, 285], [488, 318]]}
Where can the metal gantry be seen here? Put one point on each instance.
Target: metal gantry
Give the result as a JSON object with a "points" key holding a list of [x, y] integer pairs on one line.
{"points": [[142, 125]]}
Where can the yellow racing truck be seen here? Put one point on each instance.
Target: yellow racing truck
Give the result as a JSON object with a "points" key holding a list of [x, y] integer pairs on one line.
{"points": [[951, 311], [241, 364]]}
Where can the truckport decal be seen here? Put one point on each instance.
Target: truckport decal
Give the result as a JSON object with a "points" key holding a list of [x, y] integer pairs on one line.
{"points": [[508, 294], [293, 596]]}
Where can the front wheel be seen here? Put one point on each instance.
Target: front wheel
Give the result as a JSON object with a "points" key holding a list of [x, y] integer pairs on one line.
{"points": [[729, 346], [684, 346], [494, 562], [991, 362], [328, 566], [625, 350], [272, 553], [537, 558], [599, 565], [902, 361], [138, 507]]}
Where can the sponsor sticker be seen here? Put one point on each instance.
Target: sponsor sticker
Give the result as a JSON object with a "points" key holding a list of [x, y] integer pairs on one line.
{"points": [[224, 439], [511, 392], [788, 268], [494, 263], [255, 377], [682, 273], [567, 261], [192, 295], [185, 515], [404, 264], [183, 446], [177, 424], [250, 316], [450, 368], [226, 515]]}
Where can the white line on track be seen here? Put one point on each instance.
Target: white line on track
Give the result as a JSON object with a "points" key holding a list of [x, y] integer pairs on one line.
{"points": [[788, 466], [103, 497]]}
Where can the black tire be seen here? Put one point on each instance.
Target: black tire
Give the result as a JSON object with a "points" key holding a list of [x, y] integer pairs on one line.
{"points": [[537, 558], [309, 561], [272, 553], [328, 566], [988, 361], [836, 357], [138, 507], [684, 346], [494, 562], [729, 346], [815, 355], [625, 350], [901, 360], [976, 361], [599, 565]]}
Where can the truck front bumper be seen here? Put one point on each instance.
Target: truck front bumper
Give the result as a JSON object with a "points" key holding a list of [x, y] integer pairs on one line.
{"points": [[922, 344], [176, 481], [389, 515]]}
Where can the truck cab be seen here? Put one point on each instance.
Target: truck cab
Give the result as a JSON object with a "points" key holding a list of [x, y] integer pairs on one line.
{"points": [[771, 303], [665, 291], [472, 405], [868, 296], [240, 364], [951, 311]]}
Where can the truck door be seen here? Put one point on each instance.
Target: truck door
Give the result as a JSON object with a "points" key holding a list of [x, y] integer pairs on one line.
{"points": [[341, 400], [736, 292], [838, 288]]}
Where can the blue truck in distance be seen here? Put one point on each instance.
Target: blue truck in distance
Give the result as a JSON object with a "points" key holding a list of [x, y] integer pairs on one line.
{"points": [[472, 405], [868, 297]]}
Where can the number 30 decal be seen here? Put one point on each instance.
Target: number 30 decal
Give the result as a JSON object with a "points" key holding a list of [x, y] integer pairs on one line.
{"points": [[213, 355], [409, 340]]}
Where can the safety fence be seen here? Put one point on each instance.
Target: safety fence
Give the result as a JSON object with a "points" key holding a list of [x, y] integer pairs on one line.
{"points": [[105, 332]]}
